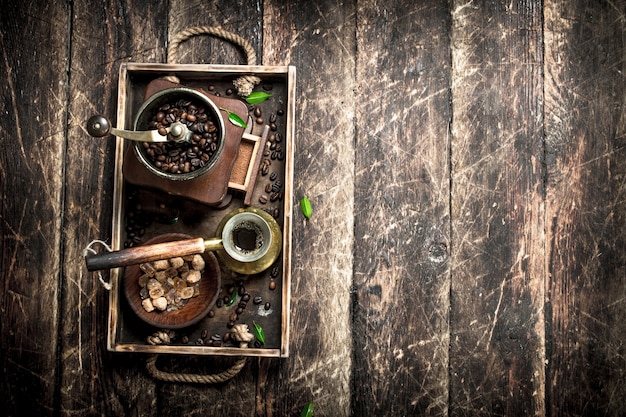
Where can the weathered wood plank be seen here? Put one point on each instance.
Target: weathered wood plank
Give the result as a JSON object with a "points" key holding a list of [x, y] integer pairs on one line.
{"points": [[402, 218], [242, 17], [586, 216], [237, 396], [496, 319], [103, 35], [318, 38], [33, 111]]}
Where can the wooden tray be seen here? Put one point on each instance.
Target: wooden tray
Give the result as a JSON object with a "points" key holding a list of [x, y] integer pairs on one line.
{"points": [[265, 159]]}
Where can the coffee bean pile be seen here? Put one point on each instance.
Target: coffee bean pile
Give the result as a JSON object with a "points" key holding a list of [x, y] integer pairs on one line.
{"points": [[183, 157], [273, 194]]}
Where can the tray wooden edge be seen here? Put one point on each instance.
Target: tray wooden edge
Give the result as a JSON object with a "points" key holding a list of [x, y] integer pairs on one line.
{"points": [[117, 227]]}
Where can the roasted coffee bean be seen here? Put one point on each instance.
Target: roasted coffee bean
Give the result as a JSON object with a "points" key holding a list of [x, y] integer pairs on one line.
{"points": [[204, 139], [268, 188], [279, 137], [263, 199], [199, 342], [274, 272], [273, 127], [257, 300], [277, 186], [280, 155], [259, 120], [204, 333], [229, 91], [232, 317], [271, 138], [184, 339], [242, 290], [274, 155], [273, 146], [230, 324], [219, 303], [239, 311], [216, 337], [257, 112], [265, 169], [280, 112], [267, 306], [272, 285], [242, 304], [226, 299], [211, 313], [226, 337], [266, 152], [273, 118], [245, 297], [273, 175], [274, 197]]}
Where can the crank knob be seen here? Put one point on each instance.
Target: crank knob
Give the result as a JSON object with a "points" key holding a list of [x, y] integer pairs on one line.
{"points": [[98, 126]]}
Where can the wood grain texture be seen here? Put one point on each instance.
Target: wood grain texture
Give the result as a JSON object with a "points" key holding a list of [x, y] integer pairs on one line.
{"points": [[402, 220], [242, 17], [496, 318], [318, 38], [585, 126], [103, 36], [465, 164], [33, 93]]}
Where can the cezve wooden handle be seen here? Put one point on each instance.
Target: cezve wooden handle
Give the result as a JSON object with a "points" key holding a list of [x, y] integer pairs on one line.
{"points": [[141, 254]]}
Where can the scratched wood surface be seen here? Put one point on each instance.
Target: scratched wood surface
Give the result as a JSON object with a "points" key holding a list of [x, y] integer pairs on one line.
{"points": [[497, 266], [465, 164]]}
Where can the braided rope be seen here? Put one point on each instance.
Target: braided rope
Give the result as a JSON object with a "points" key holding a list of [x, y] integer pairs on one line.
{"points": [[193, 378], [243, 84]]}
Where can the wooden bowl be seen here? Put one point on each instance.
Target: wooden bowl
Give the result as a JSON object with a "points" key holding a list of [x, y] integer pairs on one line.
{"points": [[195, 309]]}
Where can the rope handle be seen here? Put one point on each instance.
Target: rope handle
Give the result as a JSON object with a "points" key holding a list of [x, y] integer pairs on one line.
{"points": [[193, 378], [244, 84], [239, 333]]}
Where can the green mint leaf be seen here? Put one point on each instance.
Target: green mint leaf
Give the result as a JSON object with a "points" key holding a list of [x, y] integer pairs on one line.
{"points": [[305, 205], [307, 411], [234, 118], [257, 97], [258, 332]]}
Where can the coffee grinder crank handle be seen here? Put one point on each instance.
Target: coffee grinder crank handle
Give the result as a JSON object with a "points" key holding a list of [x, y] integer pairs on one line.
{"points": [[150, 253], [99, 126]]}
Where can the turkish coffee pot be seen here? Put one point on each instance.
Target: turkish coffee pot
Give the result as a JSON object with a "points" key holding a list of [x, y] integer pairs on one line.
{"points": [[247, 241]]}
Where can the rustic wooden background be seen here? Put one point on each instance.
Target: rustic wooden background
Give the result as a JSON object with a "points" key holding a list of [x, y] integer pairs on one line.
{"points": [[465, 162]]}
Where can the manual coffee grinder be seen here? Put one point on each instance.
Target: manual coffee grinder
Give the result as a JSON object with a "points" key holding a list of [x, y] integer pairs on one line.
{"points": [[182, 143]]}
